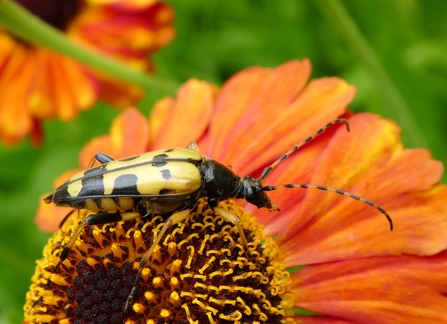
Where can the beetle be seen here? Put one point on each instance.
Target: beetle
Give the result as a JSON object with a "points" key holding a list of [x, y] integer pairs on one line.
{"points": [[169, 180]]}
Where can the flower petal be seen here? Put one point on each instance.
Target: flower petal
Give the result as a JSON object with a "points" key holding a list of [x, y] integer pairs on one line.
{"points": [[249, 130], [14, 105], [376, 290], [177, 122], [244, 106], [297, 168], [129, 135], [49, 216], [328, 227], [319, 320]]}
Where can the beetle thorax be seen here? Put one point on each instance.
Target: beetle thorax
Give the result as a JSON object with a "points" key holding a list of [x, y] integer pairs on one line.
{"points": [[219, 182]]}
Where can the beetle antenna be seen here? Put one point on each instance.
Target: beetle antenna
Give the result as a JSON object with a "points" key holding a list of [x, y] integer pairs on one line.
{"points": [[339, 191], [285, 155]]}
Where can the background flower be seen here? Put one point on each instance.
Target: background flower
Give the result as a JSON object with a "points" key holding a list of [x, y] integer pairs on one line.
{"points": [[48, 84], [214, 42]]}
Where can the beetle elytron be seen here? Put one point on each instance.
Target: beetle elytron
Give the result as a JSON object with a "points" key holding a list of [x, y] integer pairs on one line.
{"points": [[165, 181]]}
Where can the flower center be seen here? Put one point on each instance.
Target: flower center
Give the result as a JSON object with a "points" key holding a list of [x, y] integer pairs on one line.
{"points": [[199, 273], [55, 12]]}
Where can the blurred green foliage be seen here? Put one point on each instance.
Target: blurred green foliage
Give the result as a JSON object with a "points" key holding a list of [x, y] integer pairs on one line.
{"points": [[215, 39]]}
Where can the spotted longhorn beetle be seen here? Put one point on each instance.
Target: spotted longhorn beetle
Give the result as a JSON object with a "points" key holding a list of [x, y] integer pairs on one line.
{"points": [[165, 181]]}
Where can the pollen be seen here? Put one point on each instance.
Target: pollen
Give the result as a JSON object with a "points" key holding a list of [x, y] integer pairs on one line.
{"points": [[199, 273]]}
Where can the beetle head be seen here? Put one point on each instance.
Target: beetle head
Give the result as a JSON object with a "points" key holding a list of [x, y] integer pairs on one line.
{"points": [[256, 196]]}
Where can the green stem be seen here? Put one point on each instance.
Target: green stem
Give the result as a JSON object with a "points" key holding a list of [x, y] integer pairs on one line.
{"points": [[341, 19], [28, 27]]}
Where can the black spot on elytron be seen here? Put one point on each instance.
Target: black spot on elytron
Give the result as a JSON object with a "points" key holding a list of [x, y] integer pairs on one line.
{"points": [[166, 191], [166, 174], [130, 158], [169, 150], [159, 160], [126, 185], [92, 182]]}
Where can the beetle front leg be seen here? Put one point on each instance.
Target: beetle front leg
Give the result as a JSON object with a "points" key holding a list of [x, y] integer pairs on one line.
{"points": [[232, 218], [174, 219]]}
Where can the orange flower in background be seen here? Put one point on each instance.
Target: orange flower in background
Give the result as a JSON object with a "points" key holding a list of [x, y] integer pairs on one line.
{"points": [[49, 85], [351, 268]]}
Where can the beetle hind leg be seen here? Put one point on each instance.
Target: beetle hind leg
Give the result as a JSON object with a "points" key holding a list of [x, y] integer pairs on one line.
{"points": [[101, 158]]}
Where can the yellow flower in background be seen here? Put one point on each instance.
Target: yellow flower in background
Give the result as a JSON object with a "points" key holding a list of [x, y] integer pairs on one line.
{"points": [[38, 84], [345, 264]]}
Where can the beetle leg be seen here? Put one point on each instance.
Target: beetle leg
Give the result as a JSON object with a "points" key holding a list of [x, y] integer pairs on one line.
{"points": [[232, 218], [96, 219], [66, 217], [193, 146], [174, 219], [101, 158]]}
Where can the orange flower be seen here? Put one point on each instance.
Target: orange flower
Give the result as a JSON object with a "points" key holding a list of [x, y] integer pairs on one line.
{"points": [[48, 85], [347, 267]]}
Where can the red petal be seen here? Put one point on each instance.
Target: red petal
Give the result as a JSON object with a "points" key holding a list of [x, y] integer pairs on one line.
{"points": [[376, 290]]}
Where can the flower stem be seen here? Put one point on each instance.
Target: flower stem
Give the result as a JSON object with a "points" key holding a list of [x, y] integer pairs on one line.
{"points": [[29, 27], [341, 19]]}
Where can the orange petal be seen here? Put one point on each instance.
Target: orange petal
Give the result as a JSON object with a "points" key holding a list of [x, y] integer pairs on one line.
{"points": [[297, 168], [129, 135], [159, 117], [17, 69], [49, 216], [329, 227], [86, 91], [267, 112], [376, 290], [247, 104], [186, 118], [126, 31], [103, 144], [118, 93], [320, 320]]}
